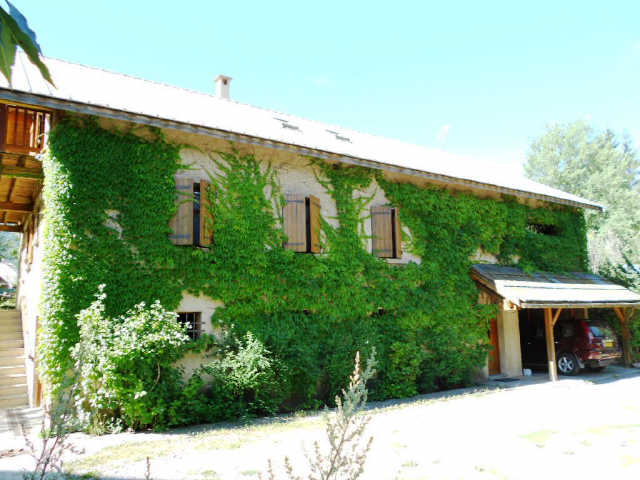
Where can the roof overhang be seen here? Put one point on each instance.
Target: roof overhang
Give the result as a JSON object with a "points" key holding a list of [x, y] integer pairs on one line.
{"points": [[49, 102], [549, 290]]}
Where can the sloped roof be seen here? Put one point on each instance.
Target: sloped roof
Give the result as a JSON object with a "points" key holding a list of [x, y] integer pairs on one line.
{"points": [[110, 92], [546, 290]]}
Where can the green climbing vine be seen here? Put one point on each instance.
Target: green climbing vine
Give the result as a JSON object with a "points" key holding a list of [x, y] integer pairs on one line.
{"points": [[109, 199]]}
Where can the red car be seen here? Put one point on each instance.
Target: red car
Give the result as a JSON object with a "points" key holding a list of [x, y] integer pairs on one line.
{"points": [[579, 344]]}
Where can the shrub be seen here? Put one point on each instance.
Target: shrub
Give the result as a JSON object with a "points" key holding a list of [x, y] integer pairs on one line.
{"points": [[245, 380], [127, 377]]}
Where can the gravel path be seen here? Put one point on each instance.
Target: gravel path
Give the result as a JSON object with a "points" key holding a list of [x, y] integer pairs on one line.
{"points": [[573, 429]]}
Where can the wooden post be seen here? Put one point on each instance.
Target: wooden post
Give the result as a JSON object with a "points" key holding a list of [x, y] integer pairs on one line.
{"points": [[624, 315], [549, 321], [551, 347]]}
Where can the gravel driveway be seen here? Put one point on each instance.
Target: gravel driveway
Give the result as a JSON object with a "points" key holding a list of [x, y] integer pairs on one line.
{"points": [[583, 427]]}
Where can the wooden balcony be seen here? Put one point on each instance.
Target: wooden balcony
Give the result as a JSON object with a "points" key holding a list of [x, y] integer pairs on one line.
{"points": [[22, 130], [23, 134]]}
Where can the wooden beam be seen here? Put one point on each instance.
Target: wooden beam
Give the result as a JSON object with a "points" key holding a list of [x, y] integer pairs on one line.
{"points": [[16, 207], [624, 315], [10, 228], [551, 346], [556, 316], [11, 171], [12, 189]]}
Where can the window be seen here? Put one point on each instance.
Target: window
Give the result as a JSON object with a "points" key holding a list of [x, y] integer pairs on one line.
{"points": [[193, 222], [543, 229], [301, 216], [192, 321], [386, 232], [567, 329]]}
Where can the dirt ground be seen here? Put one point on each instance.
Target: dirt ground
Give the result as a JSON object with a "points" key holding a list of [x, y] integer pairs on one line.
{"points": [[583, 427]]}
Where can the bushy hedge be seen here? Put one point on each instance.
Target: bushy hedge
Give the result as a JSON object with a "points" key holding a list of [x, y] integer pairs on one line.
{"points": [[298, 319]]}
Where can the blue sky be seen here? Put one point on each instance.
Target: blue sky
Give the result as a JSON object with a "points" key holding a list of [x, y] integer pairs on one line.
{"points": [[474, 78]]}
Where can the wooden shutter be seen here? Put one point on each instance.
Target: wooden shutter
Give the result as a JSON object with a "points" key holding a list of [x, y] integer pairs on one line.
{"points": [[295, 222], [386, 232], [314, 224], [381, 231], [206, 217], [182, 222], [397, 234]]}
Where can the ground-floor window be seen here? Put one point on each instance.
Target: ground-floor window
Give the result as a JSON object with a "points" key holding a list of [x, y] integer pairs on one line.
{"points": [[192, 321]]}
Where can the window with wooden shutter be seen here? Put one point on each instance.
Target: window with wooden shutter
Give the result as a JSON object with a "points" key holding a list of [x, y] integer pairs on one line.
{"points": [[386, 232], [182, 222], [193, 221], [301, 215]]}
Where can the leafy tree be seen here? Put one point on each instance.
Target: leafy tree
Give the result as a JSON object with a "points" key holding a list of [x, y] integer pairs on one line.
{"points": [[600, 166], [9, 246], [14, 33]]}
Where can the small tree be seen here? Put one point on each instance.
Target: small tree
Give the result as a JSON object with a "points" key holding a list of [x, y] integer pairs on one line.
{"points": [[345, 428]]}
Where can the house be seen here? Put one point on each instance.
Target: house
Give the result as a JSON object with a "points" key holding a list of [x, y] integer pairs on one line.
{"points": [[133, 204]]}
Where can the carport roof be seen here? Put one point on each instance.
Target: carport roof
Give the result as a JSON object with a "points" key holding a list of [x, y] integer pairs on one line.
{"points": [[550, 290]]}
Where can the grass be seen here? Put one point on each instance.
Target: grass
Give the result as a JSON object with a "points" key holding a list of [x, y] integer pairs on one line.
{"points": [[540, 437], [250, 473], [210, 475], [606, 429], [229, 436]]}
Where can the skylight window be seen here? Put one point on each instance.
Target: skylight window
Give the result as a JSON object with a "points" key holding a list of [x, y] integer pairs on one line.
{"points": [[286, 124], [339, 137]]}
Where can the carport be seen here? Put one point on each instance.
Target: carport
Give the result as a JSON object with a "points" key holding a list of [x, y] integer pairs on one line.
{"points": [[511, 289]]}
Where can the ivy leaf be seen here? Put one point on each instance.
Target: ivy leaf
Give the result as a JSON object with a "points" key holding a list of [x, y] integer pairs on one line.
{"points": [[15, 32]]}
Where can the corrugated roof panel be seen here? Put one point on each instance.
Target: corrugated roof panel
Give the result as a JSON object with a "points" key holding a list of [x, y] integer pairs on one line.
{"points": [[96, 87], [544, 289]]}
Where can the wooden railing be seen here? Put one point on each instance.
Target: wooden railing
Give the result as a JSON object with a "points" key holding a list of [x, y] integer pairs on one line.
{"points": [[22, 130]]}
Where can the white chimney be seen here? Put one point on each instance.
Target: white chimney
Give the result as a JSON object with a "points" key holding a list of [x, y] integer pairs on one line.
{"points": [[222, 86]]}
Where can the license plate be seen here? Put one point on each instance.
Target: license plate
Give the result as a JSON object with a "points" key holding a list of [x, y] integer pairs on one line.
{"points": [[608, 343]]}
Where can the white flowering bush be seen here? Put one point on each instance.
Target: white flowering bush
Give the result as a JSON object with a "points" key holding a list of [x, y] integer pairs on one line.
{"points": [[125, 366]]}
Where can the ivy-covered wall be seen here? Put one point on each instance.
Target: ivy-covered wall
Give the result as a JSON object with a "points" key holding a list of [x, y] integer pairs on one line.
{"points": [[110, 195]]}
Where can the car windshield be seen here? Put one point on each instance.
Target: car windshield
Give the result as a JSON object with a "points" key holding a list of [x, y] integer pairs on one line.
{"points": [[600, 331]]}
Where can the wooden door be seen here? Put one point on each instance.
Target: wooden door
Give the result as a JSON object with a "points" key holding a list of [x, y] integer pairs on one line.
{"points": [[494, 353]]}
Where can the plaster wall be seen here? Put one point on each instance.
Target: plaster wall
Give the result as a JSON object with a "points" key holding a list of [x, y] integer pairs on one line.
{"points": [[206, 307]]}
